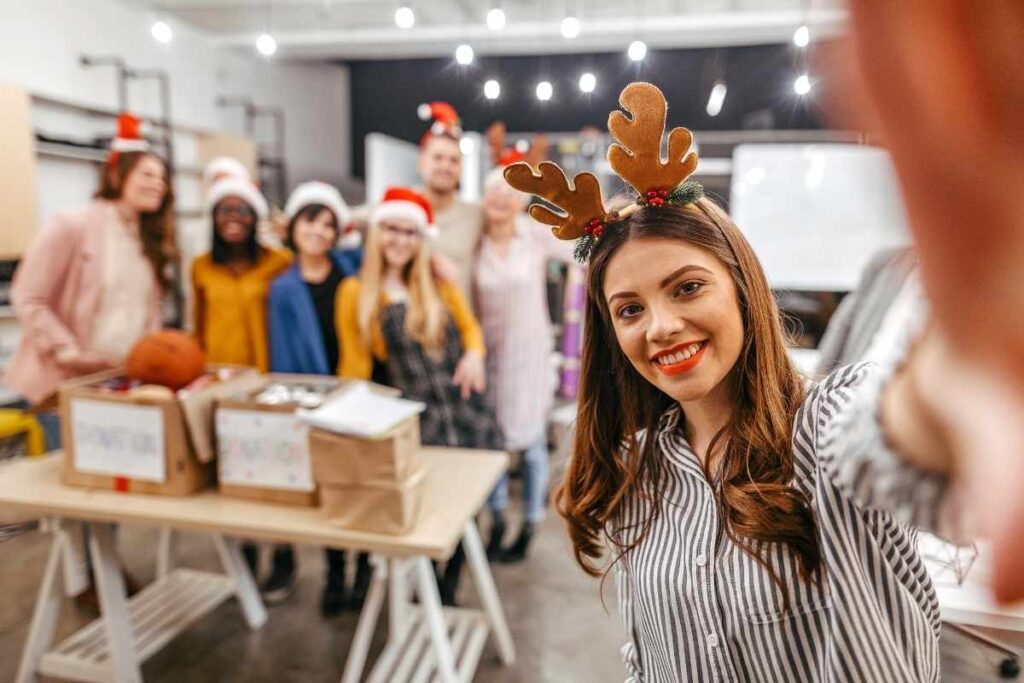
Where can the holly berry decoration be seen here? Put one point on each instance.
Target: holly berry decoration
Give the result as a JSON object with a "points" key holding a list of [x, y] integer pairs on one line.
{"points": [[595, 228]]}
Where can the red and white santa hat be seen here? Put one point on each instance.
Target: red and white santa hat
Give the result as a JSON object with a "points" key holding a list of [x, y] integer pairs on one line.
{"points": [[224, 166], [405, 204], [128, 138], [242, 188], [445, 120], [316, 192]]}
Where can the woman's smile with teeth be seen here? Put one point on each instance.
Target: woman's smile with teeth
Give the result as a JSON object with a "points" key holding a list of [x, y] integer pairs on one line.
{"points": [[679, 355]]}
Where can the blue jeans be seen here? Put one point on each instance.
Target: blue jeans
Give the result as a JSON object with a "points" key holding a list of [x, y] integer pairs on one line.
{"points": [[535, 484]]}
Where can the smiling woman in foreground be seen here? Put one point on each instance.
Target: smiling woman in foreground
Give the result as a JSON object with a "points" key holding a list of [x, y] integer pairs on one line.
{"points": [[759, 528]]}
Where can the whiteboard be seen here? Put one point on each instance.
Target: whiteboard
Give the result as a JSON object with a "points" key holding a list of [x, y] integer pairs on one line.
{"points": [[391, 162], [815, 214]]}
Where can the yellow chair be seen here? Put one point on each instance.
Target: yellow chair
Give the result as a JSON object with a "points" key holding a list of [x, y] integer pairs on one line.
{"points": [[14, 423]]}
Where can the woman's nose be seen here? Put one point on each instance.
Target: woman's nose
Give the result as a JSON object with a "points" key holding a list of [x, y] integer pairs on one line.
{"points": [[664, 325]]}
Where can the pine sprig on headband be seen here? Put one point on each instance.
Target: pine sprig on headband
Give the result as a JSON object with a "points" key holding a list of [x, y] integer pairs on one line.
{"points": [[582, 248], [686, 193]]}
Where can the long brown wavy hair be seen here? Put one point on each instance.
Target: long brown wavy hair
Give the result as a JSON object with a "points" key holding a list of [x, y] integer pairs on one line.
{"points": [[749, 463], [156, 229]]}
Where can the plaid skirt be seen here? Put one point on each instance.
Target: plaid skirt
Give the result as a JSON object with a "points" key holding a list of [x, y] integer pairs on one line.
{"points": [[420, 376]]}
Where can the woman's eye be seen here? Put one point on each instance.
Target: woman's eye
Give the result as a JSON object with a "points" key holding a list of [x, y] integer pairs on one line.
{"points": [[689, 288], [629, 310]]}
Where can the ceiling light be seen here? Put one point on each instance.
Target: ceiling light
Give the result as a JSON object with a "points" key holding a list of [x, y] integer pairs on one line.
{"points": [[588, 82], [496, 19], [492, 89], [802, 85], [162, 32], [637, 50], [717, 98], [464, 55], [570, 27], [544, 91], [404, 17], [802, 36], [266, 44]]}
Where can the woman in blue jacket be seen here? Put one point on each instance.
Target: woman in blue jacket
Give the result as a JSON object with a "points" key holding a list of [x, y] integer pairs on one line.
{"points": [[304, 339]]}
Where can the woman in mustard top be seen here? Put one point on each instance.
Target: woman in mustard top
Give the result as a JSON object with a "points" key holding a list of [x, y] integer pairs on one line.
{"points": [[230, 283], [422, 330]]}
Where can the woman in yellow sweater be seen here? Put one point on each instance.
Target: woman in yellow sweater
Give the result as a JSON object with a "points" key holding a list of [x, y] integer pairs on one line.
{"points": [[231, 282], [422, 330]]}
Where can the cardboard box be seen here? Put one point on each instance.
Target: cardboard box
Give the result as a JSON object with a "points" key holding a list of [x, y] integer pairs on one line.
{"points": [[388, 460], [379, 508], [136, 443], [263, 449]]}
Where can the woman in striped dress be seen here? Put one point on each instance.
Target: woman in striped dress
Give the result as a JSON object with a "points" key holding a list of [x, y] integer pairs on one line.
{"points": [[760, 530]]}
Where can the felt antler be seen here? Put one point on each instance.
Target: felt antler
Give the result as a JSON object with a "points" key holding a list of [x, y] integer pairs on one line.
{"points": [[636, 157], [581, 203]]}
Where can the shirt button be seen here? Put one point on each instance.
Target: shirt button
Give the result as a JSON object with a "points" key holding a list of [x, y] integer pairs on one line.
{"points": [[712, 640], [702, 560]]}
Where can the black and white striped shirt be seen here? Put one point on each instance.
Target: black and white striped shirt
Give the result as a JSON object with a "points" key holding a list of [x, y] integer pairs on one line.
{"points": [[698, 608]]}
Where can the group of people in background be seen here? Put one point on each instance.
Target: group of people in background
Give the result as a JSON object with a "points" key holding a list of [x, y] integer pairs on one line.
{"points": [[420, 290]]}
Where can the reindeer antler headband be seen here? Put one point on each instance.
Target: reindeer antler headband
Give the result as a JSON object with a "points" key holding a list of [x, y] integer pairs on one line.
{"points": [[635, 157]]}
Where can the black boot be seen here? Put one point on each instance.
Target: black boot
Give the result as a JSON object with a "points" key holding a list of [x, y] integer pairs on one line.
{"points": [[449, 584], [364, 573], [517, 551], [335, 596], [497, 534], [280, 585]]}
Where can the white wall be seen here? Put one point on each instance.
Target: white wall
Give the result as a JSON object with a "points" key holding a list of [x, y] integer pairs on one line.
{"points": [[41, 42]]}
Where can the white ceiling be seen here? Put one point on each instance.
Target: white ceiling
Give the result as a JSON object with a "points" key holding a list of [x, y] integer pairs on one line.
{"points": [[365, 29]]}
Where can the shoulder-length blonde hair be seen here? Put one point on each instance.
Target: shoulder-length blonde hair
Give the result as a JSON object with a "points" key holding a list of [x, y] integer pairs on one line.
{"points": [[426, 315]]}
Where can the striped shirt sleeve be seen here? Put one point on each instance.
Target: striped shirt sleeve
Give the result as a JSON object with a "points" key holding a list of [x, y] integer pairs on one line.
{"points": [[630, 650], [853, 455]]}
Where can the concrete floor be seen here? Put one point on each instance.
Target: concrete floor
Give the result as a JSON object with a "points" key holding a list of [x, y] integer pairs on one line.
{"points": [[561, 630]]}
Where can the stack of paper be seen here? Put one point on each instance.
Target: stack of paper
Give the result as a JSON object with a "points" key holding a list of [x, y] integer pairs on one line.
{"points": [[361, 412]]}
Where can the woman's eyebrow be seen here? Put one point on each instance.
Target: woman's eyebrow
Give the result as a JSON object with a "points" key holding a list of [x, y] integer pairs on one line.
{"points": [[682, 271]]}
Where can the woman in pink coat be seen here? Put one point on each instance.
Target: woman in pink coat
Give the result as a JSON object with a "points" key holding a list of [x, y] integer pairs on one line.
{"points": [[92, 282]]}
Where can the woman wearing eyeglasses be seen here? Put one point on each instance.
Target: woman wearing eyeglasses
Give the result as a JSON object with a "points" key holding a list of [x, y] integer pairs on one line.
{"points": [[230, 284]]}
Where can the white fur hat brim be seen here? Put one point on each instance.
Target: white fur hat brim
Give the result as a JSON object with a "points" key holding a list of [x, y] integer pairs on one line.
{"points": [[227, 166], [237, 187], [400, 210], [315, 192]]}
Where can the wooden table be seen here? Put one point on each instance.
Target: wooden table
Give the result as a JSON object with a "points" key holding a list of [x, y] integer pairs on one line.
{"points": [[425, 641]]}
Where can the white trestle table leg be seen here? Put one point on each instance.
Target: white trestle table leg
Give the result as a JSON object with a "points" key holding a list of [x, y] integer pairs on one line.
{"points": [[484, 582], [113, 604], [166, 551], [356, 661], [245, 587], [44, 616], [430, 603]]}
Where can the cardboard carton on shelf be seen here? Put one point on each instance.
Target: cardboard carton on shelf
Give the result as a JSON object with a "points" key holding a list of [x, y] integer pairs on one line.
{"points": [[375, 508], [146, 441], [262, 447]]}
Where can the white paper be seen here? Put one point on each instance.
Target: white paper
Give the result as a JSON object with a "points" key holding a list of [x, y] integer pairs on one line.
{"points": [[118, 439], [362, 412], [264, 449]]}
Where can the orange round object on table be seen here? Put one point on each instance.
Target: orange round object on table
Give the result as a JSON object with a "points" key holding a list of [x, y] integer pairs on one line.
{"points": [[170, 358]]}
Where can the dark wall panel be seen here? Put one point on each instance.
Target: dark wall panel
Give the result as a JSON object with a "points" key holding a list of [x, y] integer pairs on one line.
{"points": [[385, 94]]}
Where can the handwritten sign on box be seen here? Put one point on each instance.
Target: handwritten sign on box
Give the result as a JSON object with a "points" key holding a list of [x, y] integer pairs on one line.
{"points": [[119, 440], [264, 449]]}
